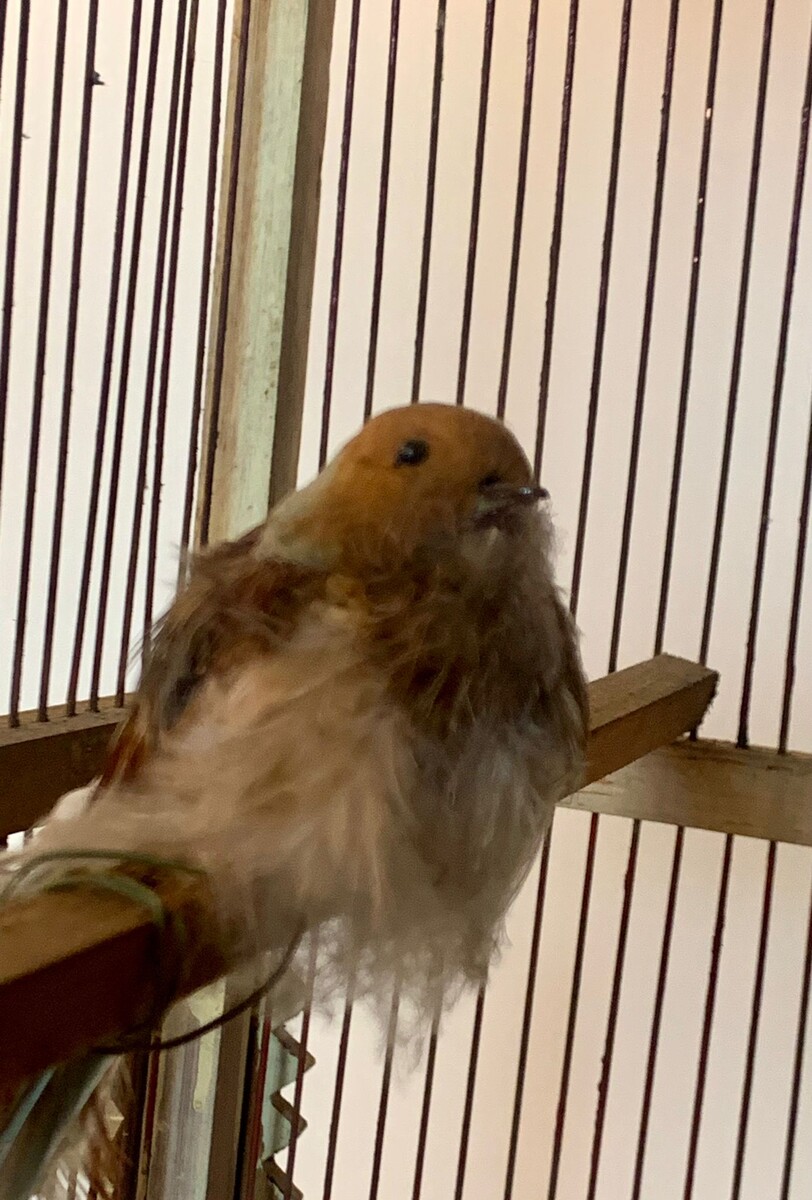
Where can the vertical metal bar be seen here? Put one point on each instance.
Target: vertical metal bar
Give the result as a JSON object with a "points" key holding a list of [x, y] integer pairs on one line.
{"points": [[126, 351], [39, 366], [107, 367], [3, 15], [205, 278], [657, 1014], [707, 1021], [338, 246], [338, 1093], [645, 340], [225, 276], [383, 1103], [797, 592], [690, 325], [555, 239], [476, 199], [152, 350], [70, 358], [12, 220], [614, 1006], [470, 1086], [527, 1018], [741, 319], [256, 1081], [569, 1041], [302, 1064], [425, 1108], [383, 198], [798, 1063], [775, 413], [168, 324], [755, 1015], [518, 211], [603, 302], [428, 216]]}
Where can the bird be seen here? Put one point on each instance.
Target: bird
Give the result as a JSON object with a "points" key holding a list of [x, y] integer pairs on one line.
{"points": [[358, 716]]}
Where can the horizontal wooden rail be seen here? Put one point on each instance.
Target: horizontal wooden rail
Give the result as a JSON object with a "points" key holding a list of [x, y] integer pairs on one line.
{"points": [[712, 785], [42, 760], [77, 969]]}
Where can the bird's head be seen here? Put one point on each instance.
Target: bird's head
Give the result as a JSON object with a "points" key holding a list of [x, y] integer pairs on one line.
{"points": [[415, 479]]}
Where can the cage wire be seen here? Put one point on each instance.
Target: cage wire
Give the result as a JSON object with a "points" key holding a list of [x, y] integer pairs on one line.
{"points": [[590, 217]]}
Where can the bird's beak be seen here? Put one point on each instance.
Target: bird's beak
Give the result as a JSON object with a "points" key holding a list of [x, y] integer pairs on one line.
{"points": [[504, 498], [527, 495]]}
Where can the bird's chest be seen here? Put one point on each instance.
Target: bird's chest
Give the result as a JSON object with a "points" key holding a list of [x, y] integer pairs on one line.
{"points": [[453, 660]]}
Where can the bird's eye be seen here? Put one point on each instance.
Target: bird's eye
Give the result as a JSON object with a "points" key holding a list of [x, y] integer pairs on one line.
{"points": [[412, 453], [491, 480]]}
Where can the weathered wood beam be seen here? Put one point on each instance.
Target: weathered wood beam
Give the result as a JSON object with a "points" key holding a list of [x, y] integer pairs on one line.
{"points": [[42, 760], [77, 968], [711, 785]]}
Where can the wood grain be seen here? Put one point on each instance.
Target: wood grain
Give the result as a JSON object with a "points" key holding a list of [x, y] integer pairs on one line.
{"points": [[712, 785], [42, 760]]}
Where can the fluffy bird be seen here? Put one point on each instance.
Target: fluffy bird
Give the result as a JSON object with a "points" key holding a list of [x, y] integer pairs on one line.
{"points": [[358, 716]]}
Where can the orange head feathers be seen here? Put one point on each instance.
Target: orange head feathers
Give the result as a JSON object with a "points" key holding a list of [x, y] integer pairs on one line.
{"points": [[413, 479]]}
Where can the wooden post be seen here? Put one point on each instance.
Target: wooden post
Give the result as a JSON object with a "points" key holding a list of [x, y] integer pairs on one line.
{"points": [[259, 331], [265, 257]]}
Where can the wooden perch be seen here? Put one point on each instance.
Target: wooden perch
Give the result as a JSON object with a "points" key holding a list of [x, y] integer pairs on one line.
{"points": [[42, 760], [78, 968]]}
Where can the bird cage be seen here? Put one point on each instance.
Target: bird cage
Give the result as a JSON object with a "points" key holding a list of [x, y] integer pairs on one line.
{"points": [[232, 230]]}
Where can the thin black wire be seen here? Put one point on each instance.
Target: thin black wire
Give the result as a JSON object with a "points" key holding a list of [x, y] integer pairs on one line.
{"points": [[383, 1103], [645, 338], [126, 352], [755, 1016], [575, 990], [383, 199], [657, 1014], [205, 278], [300, 1068], [797, 594], [555, 238], [152, 350], [741, 320], [470, 1087], [168, 324], [775, 413], [219, 349], [614, 1008], [518, 212], [39, 365], [476, 198], [425, 1108], [338, 1093], [690, 325], [527, 1017], [3, 15], [70, 358], [428, 216], [707, 1020], [603, 302], [12, 221], [107, 366], [580, 541], [338, 246], [620, 957], [797, 1068]]}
